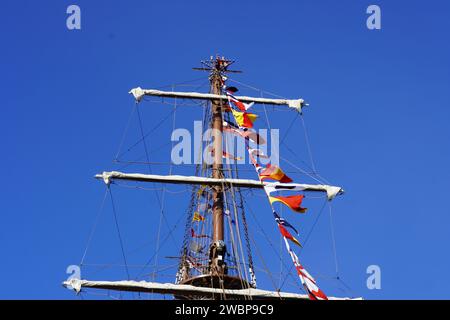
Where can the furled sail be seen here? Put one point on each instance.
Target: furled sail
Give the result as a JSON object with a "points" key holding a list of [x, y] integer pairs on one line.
{"points": [[181, 289], [139, 93], [108, 177]]}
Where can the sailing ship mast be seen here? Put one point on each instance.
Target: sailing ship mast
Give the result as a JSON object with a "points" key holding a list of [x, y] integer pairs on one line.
{"points": [[216, 275], [218, 249], [214, 282]]}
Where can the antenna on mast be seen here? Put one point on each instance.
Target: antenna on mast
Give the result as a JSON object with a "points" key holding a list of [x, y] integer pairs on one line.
{"points": [[218, 63]]}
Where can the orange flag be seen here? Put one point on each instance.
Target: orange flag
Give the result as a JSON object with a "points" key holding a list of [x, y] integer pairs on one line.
{"points": [[293, 202], [285, 233], [274, 173]]}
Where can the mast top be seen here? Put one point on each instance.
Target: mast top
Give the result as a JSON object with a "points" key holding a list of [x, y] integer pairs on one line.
{"points": [[217, 65]]}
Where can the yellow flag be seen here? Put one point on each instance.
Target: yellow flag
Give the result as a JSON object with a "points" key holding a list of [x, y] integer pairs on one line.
{"points": [[244, 119], [198, 217]]}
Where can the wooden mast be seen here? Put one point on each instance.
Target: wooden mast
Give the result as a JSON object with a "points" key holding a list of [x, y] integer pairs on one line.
{"points": [[216, 275], [218, 249]]}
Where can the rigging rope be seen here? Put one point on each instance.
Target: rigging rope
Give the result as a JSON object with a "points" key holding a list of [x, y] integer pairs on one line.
{"points": [[118, 232], [94, 227], [146, 134], [289, 128], [333, 239], [308, 235], [238, 230], [160, 204], [124, 185], [273, 248], [190, 209], [234, 247], [282, 141], [235, 174], [126, 130], [169, 234], [318, 179], [271, 277], [163, 194], [308, 145]]}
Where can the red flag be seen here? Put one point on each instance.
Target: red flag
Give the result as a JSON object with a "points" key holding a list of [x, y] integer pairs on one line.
{"points": [[240, 105], [288, 235], [231, 98], [293, 202], [309, 284]]}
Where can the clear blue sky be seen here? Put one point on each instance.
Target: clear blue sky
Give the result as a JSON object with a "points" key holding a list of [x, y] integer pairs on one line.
{"points": [[378, 125]]}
